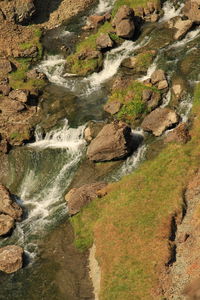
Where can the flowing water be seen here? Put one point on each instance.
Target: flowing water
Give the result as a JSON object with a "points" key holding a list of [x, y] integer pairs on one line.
{"points": [[41, 172]]}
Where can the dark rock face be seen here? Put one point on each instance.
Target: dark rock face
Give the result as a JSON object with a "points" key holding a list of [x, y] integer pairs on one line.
{"points": [[104, 42], [79, 197], [7, 206], [11, 258], [114, 141], [159, 120], [124, 22]]}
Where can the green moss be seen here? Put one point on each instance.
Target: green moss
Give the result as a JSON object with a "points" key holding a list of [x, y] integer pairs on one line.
{"points": [[132, 224]]}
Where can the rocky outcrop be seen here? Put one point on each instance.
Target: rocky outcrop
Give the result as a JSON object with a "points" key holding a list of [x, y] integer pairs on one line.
{"points": [[104, 41], [6, 224], [77, 198], [19, 11], [180, 26], [159, 120], [159, 79], [124, 22], [5, 66], [113, 142], [179, 135], [151, 98], [191, 10], [11, 258], [7, 206], [19, 95]]}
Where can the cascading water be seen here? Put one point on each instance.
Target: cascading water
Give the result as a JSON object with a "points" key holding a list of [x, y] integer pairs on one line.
{"points": [[104, 6]]}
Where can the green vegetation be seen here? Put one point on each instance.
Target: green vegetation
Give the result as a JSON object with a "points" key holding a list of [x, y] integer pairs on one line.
{"points": [[18, 77], [143, 61], [132, 224], [89, 64], [131, 97], [131, 3]]}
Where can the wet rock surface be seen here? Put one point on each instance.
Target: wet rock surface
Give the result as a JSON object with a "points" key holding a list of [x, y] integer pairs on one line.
{"points": [[7, 206], [77, 198], [11, 259]]}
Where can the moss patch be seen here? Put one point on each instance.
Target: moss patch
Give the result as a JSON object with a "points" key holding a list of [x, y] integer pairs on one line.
{"points": [[131, 225]]}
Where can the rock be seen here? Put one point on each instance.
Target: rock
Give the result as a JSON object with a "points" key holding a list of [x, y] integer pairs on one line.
{"points": [[191, 10], [177, 89], [4, 146], [6, 224], [89, 54], [104, 41], [159, 120], [95, 20], [125, 29], [2, 17], [124, 22], [157, 76], [113, 142], [182, 27], [80, 197], [19, 95], [7, 206], [11, 258], [154, 18], [152, 98], [5, 66], [179, 135], [24, 10], [35, 74], [162, 85], [129, 62], [4, 89], [92, 130], [112, 107], [14, 106], [151, 7]]}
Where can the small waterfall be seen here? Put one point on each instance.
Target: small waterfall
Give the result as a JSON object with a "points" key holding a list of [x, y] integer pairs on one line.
{"points": [[41, 191], [170, 11], [104, 6]]}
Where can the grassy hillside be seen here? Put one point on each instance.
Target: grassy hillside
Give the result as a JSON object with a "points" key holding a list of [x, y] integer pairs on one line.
{"points": [[131, 226]]}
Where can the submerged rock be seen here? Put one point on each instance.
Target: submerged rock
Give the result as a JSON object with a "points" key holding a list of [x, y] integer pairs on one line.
{"points": [[159, 120], [7, 206], [6, 224], [11, 258], [124, 22], [79, 197], [114, 141]]}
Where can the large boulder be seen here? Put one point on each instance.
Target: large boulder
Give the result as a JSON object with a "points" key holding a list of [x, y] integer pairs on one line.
{"points": [[124, 22], [6, 224], [159, 120], [192, 11], [158, 76], [7, 206], [112, 107], [182, 27], [79, 197], [113, 142], [104, 41], [11, 258]]}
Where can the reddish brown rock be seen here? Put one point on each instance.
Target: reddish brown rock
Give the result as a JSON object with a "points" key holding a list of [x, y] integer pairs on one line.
{"points": [[77, 198], [179, 135], [7, 206], [19, 95], [112, 107], [159, 120], [11, 258], [6, 224], [114, 141]]}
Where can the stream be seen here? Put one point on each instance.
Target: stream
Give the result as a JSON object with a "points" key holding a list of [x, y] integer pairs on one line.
{"points": [[42, 172]]}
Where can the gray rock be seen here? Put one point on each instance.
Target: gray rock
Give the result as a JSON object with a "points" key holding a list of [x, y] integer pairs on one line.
{"points": [[11, 258], [114, 141], [77, 198], [159, 120], [104, 41]]}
